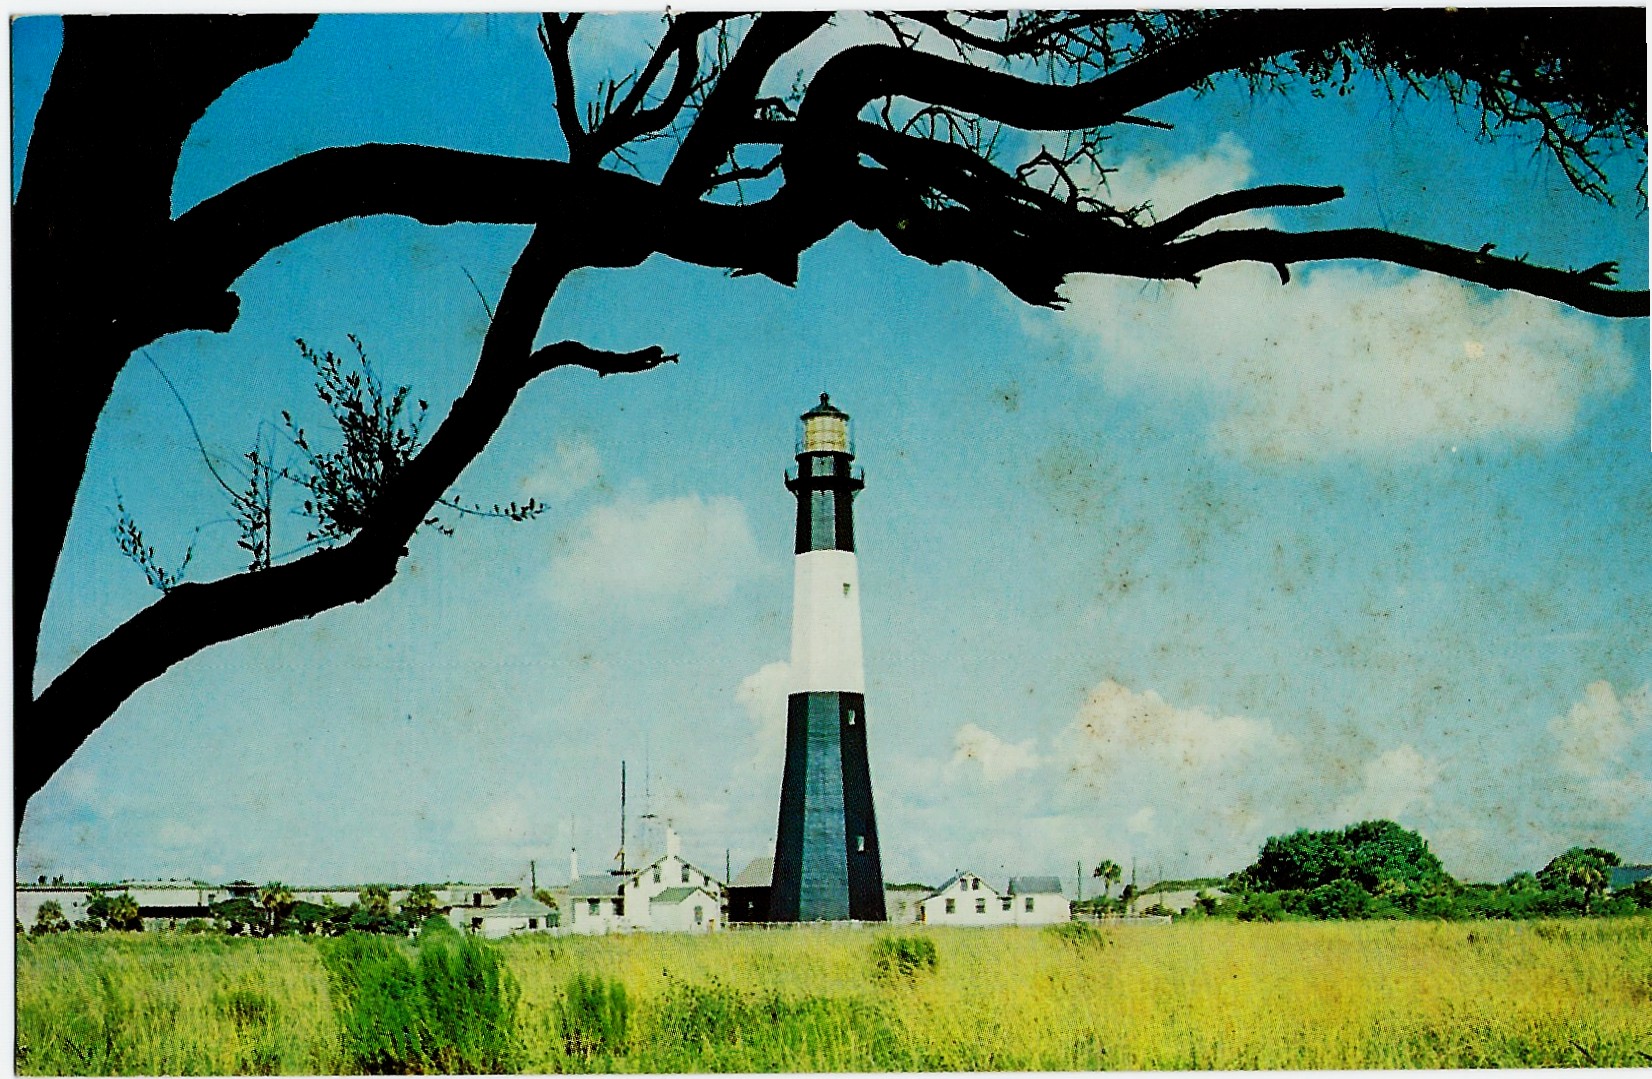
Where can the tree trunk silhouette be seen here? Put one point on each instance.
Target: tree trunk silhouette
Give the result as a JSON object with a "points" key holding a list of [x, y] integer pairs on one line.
{"points": [[103, 267]]}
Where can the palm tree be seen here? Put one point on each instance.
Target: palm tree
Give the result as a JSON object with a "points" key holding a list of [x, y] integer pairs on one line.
{"points": [[277, 901], [1108, 872], [420, 903], [123, 912], [375, 900], [49, 918]]}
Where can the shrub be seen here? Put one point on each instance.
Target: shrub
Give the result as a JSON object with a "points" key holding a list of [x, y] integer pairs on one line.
{"points": [[593, 1015], [1260, 907], [1079, 934], [453, 1012], [437, 927], [1339, 899], [903, 956], [375, 992], [467, 1003]]}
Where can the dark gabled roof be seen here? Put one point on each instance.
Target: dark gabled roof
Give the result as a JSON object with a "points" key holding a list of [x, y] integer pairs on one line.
{"points": [[1035, 885], [679, 893], [604, 887], [950, 881]]}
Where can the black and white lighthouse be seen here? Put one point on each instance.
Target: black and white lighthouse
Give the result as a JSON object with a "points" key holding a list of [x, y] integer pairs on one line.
{"points": [[826, 862]]}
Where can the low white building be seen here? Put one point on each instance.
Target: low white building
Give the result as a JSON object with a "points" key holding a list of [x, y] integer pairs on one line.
{"points": [[670, 894], [687, 908], [968, 900], [519, 914]]}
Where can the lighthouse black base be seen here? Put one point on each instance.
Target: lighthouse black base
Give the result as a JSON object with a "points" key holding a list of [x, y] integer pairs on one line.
{"points": [[826, 862]]}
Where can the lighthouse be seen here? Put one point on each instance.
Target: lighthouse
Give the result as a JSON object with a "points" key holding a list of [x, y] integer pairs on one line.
{"points": [[826, 861]]}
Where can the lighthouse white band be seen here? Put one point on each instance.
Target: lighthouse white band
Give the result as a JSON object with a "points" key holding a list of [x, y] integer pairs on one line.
{"points": [[826, 653]]}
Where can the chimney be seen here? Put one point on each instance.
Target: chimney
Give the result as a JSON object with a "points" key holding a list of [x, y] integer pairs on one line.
{"points": [[673, 846], [573, 864]]}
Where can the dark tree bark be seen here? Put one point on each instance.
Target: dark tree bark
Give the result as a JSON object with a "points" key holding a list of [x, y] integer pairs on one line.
{"points": [[102, 267]]}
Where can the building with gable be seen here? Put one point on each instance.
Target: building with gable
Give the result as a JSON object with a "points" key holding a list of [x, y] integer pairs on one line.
{"points": [[670, 894], [968, 900]]}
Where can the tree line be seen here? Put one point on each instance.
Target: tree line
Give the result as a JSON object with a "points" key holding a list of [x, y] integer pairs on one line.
{"points": [[272, 911], [1379, 869]]}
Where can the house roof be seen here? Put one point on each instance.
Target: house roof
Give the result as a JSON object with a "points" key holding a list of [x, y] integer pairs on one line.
{"points": [[1622, 876], [521, 906], [679, 893], [1038, 885], [709, 876], [950, 881], [759, 873], [603, 887]]}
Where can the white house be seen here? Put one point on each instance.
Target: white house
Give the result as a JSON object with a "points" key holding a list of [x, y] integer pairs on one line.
{"points": [[687, 908], [519, 914], [670, 894], [967, 899]]}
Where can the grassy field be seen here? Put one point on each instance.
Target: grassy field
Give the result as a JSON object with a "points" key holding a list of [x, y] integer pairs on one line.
{"points": [[1197, 995]]}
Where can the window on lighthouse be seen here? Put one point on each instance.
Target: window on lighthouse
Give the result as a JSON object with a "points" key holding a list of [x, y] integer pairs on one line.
{"points": [[846, 588]]}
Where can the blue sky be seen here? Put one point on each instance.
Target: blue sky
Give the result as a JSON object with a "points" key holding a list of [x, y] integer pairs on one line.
{"points": [[1149, 579]]}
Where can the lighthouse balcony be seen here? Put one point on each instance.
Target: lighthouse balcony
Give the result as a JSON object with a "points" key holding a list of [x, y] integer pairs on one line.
{"points": [[824, 474]]}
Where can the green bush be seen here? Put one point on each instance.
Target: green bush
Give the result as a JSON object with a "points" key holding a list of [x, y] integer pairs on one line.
{"points": [[375, 992], [903, 956], [455, 1011], [437, 926], [468, 1006], [593, 1014], [1079, 934]]}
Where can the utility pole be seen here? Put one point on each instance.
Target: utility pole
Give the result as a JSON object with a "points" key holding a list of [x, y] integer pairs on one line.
{"points": [[533, 876], [1078, 871]]}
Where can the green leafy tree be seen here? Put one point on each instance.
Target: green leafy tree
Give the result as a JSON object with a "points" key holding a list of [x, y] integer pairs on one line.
{"points": [[97, 911], [898, 141], [123, 913], [239, 916], [49, 919], [1379, 856], [1640, 893], [372, 913], [419, 904], [1108, 872], [1586, 869], [277, 900]]}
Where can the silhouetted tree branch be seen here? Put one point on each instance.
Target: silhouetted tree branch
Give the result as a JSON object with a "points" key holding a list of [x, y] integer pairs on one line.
{"points": [[891, 138]]}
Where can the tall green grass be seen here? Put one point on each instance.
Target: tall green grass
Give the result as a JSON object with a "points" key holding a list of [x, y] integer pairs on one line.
{"points": [[171, 1004], [1198, 995], [450, 1007]]}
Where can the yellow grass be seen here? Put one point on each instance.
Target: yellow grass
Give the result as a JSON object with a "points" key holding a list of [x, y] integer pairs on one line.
{"points": [[170, 1004], [1196, 995]]}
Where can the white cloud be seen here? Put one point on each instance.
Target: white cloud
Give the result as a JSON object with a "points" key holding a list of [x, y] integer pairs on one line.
{"points": [[642, 557], [763, 696], [1346, 359], [1397, 783], [1594, 734], [997, 759], [1225, 166], [570, 468], [1118, 728]]}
